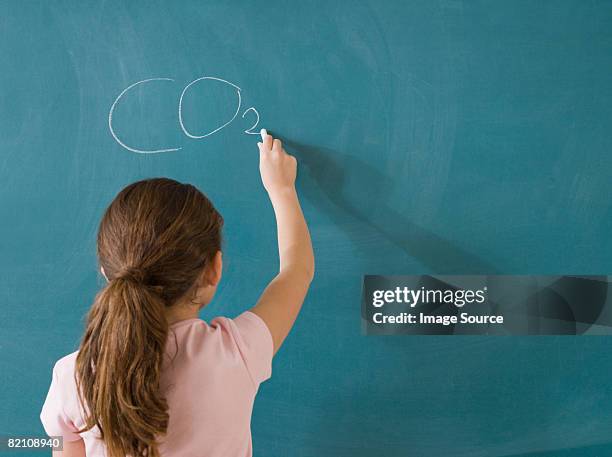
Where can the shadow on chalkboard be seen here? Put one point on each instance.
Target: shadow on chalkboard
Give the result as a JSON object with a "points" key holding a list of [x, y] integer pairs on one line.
{"points": [[360, 191]]}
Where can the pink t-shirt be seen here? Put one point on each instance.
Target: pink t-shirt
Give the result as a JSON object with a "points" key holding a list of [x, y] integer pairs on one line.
{"points": [[210, 377]]}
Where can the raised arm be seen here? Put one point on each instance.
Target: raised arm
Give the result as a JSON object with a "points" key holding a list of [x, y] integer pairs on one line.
{"points": [[282, 299]]}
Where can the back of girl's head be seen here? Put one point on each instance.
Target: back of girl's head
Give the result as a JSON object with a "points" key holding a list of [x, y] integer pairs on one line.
{"points": [[154, 241]]}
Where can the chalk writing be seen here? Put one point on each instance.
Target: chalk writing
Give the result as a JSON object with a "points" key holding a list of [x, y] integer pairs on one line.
{"points": [[251, 130], [203, 79], [112, 110]]}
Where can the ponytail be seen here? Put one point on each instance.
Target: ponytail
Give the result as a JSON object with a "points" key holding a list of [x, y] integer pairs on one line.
{"points": [[118, 367]]}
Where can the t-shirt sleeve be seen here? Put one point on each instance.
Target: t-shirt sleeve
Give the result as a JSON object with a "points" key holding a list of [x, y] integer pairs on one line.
{"points": [[254, 341], [54, 419]]}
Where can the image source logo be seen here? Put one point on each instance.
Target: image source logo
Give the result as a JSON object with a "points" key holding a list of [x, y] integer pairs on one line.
{"points": [[486, 305]]}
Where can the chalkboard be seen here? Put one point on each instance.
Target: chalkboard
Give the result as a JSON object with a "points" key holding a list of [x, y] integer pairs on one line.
{"points": [[434, 136]]}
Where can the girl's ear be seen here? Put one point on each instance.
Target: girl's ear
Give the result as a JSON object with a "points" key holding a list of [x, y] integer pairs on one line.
{"points": [[218, 261], [213, 271], [217, 268], [103, 273]]}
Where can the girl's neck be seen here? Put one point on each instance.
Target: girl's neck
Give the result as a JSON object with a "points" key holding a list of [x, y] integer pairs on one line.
{"points": [[178, 313]]}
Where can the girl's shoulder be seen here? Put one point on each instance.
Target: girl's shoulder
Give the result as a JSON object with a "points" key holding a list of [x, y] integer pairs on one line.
{"points": [[224, 341], [64, 367]]}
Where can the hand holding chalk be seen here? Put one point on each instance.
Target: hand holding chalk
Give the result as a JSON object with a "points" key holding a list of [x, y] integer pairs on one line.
{"points": [[278, 169]]}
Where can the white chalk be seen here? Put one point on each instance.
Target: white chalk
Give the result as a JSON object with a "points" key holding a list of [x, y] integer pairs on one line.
{"points": [[264, 133]]}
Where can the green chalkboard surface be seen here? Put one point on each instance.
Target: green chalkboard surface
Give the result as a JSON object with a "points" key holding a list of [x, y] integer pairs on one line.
{"points": [[434, 136]]}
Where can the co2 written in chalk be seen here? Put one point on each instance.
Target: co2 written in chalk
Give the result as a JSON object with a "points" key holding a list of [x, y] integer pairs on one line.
{"points": [[195, 132]]}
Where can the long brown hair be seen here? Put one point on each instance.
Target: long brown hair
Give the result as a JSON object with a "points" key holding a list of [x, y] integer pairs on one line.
{"points": [[154, 240]]}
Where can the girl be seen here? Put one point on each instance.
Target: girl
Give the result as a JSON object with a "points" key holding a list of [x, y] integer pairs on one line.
{"points": [[150, 378]]}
